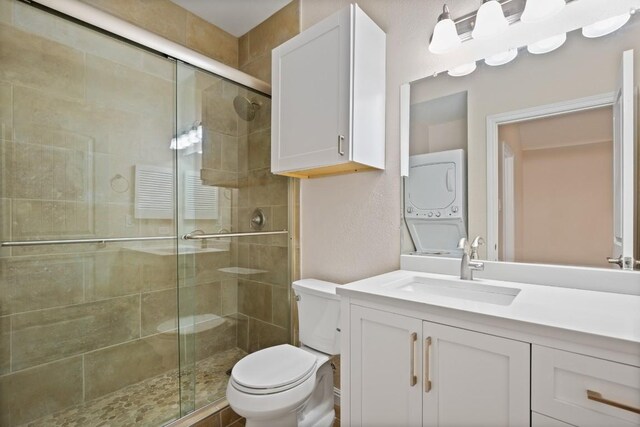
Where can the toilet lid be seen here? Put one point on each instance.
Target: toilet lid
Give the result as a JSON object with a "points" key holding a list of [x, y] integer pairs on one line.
{"points": [[273, 367]]}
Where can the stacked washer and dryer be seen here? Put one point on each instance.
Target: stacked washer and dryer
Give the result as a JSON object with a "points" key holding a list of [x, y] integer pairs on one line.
{"points": [[435, 202]]}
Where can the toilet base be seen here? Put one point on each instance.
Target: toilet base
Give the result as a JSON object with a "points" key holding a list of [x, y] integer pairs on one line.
{"points": [[316, 411]]}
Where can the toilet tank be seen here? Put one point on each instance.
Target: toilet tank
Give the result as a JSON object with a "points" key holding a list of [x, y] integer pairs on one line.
{"points": [[318, 315]]}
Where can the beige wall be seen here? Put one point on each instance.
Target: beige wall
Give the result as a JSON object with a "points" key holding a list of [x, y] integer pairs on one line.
{"points": [[566, 205], [350, 224]]}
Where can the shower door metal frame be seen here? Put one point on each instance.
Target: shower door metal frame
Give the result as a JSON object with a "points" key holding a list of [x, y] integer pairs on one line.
{"points": [[125, 30]]}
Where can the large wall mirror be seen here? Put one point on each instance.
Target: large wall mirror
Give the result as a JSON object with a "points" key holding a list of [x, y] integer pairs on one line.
{"points": [[538, 156]]}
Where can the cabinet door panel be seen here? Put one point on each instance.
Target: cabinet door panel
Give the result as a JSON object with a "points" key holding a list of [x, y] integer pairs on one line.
{"points": [[311, 98], [382, 351], [477, 379]]}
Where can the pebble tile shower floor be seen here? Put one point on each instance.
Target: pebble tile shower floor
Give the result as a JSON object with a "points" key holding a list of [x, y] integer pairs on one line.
{"points": [[149, 402]]}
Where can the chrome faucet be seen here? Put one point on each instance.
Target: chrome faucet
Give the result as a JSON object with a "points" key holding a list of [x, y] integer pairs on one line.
{"points": [[467, 267]]}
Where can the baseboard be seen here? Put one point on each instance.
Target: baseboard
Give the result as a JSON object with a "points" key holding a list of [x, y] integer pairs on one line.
{"points": [[336, 396]]}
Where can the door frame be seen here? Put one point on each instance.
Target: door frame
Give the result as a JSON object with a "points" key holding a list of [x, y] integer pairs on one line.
{"points": [[496, 120]]}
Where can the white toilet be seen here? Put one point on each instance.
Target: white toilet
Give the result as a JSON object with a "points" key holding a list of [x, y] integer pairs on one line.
{"points": [[293, 386]]}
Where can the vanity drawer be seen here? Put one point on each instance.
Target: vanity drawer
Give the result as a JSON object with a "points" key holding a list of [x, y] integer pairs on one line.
{"points": [[561, 383]]}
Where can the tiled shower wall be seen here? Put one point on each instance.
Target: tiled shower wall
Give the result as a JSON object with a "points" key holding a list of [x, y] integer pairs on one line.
{"points": [[78, 111]]}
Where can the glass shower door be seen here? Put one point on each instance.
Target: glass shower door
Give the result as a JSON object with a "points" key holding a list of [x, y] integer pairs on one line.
{"points": [[240, 288], [88, 265]]}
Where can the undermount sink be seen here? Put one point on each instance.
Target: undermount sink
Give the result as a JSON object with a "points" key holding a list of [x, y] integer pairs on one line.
{"points": [[455, 288]]}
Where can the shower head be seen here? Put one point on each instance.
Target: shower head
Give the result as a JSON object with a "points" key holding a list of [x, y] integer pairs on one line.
{"points": [[245, 107]]}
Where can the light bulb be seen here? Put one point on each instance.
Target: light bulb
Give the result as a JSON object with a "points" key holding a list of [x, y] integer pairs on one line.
{"points": [[548, 44], [462, 70], [445, 35], [502, 57], [490, 21], [539, 10], [606, 26]]}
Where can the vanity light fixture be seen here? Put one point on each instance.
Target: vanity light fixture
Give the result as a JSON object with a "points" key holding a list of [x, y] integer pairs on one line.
{"points": [[606, 26], [445, 36], [502, 57], [547, 45], [539, 10], [490, 21], [462, 70]]}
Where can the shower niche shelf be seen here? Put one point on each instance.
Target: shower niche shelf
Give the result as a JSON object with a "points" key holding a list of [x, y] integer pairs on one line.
{"points": [[328, 98]]}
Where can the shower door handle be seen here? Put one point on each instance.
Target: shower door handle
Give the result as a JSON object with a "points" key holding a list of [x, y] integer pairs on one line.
{"points": [[340, 142]]}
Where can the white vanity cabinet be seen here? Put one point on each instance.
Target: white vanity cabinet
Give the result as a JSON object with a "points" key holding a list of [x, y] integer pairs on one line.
{"points": [[410, 372], [328, 98], [582, 390]]}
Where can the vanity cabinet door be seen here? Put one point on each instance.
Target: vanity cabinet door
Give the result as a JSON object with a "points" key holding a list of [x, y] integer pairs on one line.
{"points": [[385, 369], [475, 379]]}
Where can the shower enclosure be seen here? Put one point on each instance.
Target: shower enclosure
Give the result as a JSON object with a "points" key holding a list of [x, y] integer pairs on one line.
{"points": [[144, 240]]}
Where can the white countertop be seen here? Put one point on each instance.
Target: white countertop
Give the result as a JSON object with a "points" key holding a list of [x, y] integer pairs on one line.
{"points": [[605, 314]]}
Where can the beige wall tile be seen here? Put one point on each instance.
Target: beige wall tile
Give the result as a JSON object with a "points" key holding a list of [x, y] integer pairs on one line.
{"points": [[228, 417], [41, 219], [36, 283], [211, 41], [208, 265], [220, 337], [42, 171], [112, 274], [158, 272], [32, 393], [229, 296], [158, 307], [229, 154], [243, 332], [259, 149], [274, 260], [159, 16], [112, 368], [243, 50], [277, 29], [259, 67], [254, 300], [37, 62], [218, 113], [263, 335], [263, 115], [6, 11], [109, 129], [6, 110], [281, 304], [267, 189], [37, 22], [117, 86], [46, 335], [5, 344]]}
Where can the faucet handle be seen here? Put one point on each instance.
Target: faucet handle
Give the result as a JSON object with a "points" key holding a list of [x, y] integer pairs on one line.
{"points": [[478, 241], [463, 244]]}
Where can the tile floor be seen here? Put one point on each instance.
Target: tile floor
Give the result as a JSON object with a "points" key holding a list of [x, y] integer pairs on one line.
{"points": [[152, 402]]}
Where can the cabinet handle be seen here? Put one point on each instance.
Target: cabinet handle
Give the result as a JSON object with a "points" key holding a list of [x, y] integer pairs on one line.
{"points": [[594, 395], [413, 378], [340, 141], [427, 376]]}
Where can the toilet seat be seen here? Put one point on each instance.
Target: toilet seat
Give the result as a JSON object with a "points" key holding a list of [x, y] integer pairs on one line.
{"points": [[273, 370]]}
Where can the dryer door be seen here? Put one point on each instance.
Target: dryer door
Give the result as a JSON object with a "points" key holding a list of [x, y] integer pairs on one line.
{"points": [[432, 185]]}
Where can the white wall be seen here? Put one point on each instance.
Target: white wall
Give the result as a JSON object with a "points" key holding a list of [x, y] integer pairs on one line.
{"points": [[350, 224]]}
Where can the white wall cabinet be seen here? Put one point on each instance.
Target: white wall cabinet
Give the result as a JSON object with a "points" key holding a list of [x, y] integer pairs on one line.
{"points": [[328, 98], [412, 373]]}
